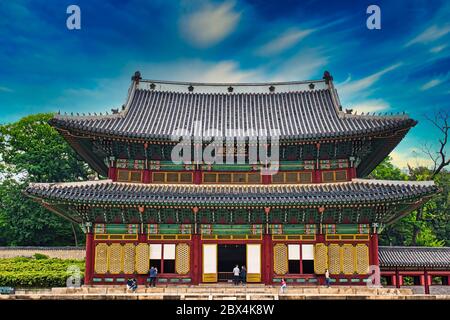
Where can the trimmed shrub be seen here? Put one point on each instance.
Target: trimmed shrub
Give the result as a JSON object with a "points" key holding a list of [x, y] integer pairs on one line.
{"points": [[37, 273]]}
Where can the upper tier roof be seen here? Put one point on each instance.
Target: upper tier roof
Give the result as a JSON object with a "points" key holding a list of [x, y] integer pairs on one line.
{"points": [[307, 110]]}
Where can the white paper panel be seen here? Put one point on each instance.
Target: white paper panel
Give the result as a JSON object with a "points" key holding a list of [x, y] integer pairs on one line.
{"points": [[294, 252], [155, 251], [253, 258], [209, 258], [307, 251], [169, 251]]}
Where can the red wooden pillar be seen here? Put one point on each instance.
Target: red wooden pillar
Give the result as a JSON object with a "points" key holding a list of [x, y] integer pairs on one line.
{"points": [[397, 279], [394, 280], [374, 249], [196, 259], [112, 173], [147, 176], [268, 259], [317, 176], [266, 179], [427, 282], [89, 271], [197, 176]]}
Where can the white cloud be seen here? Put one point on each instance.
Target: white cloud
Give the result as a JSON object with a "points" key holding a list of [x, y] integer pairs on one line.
{"points": [[411, 157], [348, 88], [210, 24], [201, 71], [303, 66], [284, 41], [5, 89], [430, 84], [438, 49], [430, 34], [375, 105]]}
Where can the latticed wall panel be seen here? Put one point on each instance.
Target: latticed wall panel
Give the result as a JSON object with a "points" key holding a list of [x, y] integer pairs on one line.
{"points": [[182, 259], [362, 258], [280, 259], [320, 258], [115, 258], [348, 259], [334, 259], [128, 258], [142, 258], [101, 258]]}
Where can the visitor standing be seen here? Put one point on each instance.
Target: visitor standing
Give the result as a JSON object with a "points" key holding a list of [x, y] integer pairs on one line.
{"points": [[153, 274], [327, 278], [243, 275], [283, 285], [236, 274]]}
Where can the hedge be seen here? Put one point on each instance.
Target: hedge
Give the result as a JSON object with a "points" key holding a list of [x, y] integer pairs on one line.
{"points": [[37, 273]]}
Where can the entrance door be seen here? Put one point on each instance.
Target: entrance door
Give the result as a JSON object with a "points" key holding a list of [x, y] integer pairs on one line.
{"points": [[209, 263], [253, 263], [230, 255]]}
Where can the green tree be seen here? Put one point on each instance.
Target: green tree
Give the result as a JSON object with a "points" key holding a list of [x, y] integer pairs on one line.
{"points": [[426, 226], [32, 151]]}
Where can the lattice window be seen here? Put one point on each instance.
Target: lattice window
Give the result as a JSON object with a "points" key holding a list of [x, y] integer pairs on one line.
{"points": [[128, 258], [362, 258], [334, 259], [280, 259], [101, 258], [182, 259], [347, 259], [115, 258], [320, 258], [142, 258]]}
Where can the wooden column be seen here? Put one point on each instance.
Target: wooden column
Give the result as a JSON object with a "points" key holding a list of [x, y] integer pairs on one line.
{"points": [[196, 262], [374, 249], [268, 259], [427, 282], [89, 271], [197, 176], [397, 279]]}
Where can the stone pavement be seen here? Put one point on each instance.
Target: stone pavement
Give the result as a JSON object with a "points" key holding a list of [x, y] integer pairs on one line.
{"points": [[250, 292]]}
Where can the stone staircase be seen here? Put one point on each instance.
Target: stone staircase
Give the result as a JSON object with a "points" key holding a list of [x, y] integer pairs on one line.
{"points": [[215, 292]]}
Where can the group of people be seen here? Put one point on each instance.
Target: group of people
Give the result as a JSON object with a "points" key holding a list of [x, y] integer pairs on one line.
{"points": [[239, 275], [132, 282], [283, 287]]}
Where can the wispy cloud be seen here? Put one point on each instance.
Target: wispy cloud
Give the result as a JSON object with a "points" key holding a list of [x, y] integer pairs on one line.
{"points": [[349, 88], [285, 41], [6, 89], [435, 82], [305, 65], [210, 24], [410, 157], [375, 105], [430, 34], [438, 49]]}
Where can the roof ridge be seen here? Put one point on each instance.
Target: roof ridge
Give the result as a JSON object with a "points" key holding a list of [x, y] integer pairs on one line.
{"points": [[395, 182]]}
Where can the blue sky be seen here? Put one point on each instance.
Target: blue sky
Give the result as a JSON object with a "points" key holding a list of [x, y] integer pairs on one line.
{"points": [[404, 66]]}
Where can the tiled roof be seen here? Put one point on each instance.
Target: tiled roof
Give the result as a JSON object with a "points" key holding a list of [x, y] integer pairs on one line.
{"points": [[353, 192], [298, 111], [414, 257]]}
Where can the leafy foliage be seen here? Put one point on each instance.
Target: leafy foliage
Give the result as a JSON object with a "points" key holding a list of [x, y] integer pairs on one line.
{"points": [[37, 273], [427, 226], [32, 151]]}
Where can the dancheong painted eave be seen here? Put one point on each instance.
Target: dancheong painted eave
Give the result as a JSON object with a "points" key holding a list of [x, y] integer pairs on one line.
{"points": [[299, 111], [357, 191]]}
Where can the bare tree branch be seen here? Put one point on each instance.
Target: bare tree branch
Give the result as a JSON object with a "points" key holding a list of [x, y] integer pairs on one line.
{"points": [[439, 158]]}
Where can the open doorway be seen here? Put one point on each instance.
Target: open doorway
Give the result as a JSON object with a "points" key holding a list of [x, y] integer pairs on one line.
{"points": [[228, 256]]}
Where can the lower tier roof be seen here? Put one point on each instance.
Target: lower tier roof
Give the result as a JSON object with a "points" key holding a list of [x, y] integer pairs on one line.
{"points": [[414, 257], [357, 191]]}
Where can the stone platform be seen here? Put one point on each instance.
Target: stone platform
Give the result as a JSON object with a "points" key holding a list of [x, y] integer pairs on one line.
{"points": [[249, 292]]}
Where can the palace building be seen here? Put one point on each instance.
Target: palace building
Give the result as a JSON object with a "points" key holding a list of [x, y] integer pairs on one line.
{"points": [[196, 220]]}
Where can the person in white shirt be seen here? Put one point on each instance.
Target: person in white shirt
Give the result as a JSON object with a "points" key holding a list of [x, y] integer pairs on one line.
{"points": [[236, 273], [327, 278]]}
